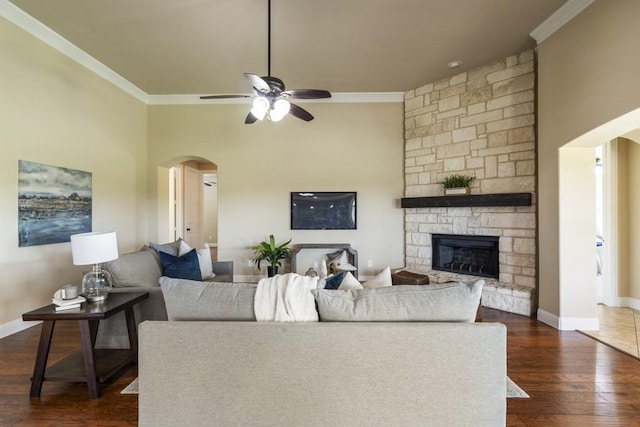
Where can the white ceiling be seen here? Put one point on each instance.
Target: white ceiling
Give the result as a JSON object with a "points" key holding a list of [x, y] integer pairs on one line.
{"points": [[205, 46]]}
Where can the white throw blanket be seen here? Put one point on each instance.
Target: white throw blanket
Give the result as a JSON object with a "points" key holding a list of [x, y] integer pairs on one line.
{"points": [[286, 298]]}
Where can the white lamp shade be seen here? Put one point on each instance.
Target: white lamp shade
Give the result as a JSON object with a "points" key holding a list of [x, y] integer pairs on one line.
{"points": [[260, 107], [94, 248], [280, 109]]}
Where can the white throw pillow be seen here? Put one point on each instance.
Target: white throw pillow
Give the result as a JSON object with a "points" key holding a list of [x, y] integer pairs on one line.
{"points": [[206, 265], [381, 280], [184, 248], [350, 282]]}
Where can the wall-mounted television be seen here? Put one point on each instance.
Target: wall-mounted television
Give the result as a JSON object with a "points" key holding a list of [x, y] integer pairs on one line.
{"points": [[323, 210]]}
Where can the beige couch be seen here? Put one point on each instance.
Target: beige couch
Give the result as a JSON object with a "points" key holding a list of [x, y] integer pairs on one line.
{"points": [[389, 356], [140, 272], [212, 373]]}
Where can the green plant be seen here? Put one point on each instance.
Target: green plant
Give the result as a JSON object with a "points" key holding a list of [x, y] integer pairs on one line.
{"points": [[270, 252], [457, 180]]}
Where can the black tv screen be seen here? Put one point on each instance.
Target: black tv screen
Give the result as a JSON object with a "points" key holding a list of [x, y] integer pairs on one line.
{"points": [[323, 210]]}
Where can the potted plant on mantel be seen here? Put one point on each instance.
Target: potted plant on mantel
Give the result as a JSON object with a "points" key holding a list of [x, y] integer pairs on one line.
{"points": [[272, 253], [457, 184]]}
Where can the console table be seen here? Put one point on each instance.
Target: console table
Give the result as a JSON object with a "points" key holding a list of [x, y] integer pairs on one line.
{"points": [[323, 249], [89, 365]]}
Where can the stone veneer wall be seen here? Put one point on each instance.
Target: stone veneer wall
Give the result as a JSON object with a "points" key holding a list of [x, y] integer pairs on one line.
{"points": [[480, 122]]}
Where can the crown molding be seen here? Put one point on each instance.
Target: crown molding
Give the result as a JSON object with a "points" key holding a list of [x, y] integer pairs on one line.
{"points": [[365, 97], [336, 97], [37, 29], [558, 19]]}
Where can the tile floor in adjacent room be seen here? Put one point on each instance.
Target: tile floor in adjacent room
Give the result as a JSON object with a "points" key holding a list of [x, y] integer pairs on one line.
{"points": [[619, 328]]}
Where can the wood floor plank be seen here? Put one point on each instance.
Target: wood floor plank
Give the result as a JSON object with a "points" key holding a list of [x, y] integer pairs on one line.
{"points": [[572, 379]]}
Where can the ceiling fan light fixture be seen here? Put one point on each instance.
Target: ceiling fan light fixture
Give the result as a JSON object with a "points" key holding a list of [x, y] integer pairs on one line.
{"points": [[280, 109], [270, 98], [260, 107]]}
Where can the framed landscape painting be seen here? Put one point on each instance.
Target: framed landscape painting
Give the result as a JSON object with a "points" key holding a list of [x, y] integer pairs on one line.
{"points": [[53, 203]]}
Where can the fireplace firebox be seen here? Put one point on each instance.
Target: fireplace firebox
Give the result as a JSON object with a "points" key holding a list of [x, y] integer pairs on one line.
{"points": [[466, 254]]}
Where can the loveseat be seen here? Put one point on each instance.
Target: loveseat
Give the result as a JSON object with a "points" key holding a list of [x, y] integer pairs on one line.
{"points": [[140, 272], [424, 363]]}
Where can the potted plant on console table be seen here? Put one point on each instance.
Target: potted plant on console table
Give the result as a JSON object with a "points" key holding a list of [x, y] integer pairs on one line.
{"points": [[457, 184], [272, 253]]}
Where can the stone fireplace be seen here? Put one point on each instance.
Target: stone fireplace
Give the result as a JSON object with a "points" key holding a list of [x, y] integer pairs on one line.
{"points": [[480, 122]]}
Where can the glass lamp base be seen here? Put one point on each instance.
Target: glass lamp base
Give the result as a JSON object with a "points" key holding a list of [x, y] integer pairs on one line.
{"points": [[96, 284], [96, 297]]}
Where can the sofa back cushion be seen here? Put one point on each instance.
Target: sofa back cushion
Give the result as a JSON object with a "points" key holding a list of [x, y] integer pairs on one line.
{"points": [[193, 300], [140, 269], [446, 302]]}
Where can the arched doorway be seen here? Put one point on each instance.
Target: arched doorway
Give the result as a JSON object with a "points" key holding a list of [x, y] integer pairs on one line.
{"points": [[188, 202]]}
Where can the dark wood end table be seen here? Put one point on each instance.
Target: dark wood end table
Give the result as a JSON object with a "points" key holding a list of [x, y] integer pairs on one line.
{"points": [[88, 365]]}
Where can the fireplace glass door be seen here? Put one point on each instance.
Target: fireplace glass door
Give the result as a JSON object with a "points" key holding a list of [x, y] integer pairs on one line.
{"points": [[466, 254]]}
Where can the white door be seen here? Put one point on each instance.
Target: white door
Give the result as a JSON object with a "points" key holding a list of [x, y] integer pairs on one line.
{"points": [[192, 213]]}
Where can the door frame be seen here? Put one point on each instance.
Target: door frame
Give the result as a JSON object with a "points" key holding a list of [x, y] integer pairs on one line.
{"points": [[610, 225]]}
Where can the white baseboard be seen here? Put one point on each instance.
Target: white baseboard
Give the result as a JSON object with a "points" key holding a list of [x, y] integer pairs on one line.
{"points": [[630, 302], [568, 323], [14, 326], [548, 318]]}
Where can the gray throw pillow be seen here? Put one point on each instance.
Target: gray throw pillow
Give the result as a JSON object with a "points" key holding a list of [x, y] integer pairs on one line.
{"points": [[140, 268], [193, 300], [446, 302], [171, 248]]}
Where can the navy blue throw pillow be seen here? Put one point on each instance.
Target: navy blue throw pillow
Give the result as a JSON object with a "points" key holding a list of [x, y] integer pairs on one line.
{"points": [[182, 267], [334, 282]]}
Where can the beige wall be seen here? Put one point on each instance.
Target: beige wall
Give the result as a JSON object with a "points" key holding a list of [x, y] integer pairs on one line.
{"points": [[587, 83], [577, 233], [632, 285], [348, 147], [54, 111]]}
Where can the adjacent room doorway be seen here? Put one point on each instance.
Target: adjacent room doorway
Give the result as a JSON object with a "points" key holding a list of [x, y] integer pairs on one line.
{"points": [[193, 197]]}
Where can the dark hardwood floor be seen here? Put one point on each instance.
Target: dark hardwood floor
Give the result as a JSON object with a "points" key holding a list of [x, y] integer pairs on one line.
{"points": [[572, 379]]}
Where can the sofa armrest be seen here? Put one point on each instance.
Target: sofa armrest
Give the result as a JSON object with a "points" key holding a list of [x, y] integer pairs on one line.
{"points": [[113, 332], [223, 271]]}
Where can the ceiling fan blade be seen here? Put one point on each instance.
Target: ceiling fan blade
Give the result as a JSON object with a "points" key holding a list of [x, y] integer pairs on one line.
{"points": [[307, 93], [250, 119], [258, 82], [300, 113], [231, 95]]}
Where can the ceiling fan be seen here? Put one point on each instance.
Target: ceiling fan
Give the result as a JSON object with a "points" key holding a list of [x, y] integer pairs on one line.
{"points": [[270, 99]]}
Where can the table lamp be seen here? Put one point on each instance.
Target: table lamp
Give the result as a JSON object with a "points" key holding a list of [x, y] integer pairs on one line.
{"points": [[93, 249]]}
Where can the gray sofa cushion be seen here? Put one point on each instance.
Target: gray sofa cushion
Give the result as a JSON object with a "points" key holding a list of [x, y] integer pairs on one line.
{"points": [[447, 302], [193, 300], [140, 269]]}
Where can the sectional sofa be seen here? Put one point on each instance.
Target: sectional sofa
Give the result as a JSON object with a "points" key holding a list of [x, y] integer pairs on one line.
{"points": [[396, 355], [140, 272]]}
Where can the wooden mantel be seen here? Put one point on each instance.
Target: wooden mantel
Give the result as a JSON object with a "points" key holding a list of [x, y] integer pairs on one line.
{"points": [[472, 200]]}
